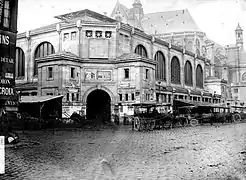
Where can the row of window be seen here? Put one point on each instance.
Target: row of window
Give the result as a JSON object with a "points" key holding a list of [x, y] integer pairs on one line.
{"points": [[127, 97], [72, 36], [46, 48], [4, 13], [51, 73], [127, 73], [98, 34], [74, 97]]}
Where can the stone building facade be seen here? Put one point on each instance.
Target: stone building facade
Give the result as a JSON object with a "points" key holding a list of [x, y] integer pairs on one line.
{"points": [[102, 66], [179, 28]]}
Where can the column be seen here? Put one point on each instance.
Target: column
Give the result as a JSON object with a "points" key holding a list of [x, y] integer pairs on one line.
{"points": [[28, 60]]}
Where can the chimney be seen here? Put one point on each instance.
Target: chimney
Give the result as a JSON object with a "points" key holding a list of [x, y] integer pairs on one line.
{"points": [[105, 13]]}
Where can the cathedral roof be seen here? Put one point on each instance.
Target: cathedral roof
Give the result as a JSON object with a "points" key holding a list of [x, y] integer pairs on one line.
{"points": [[169, 21], [121, 8]]}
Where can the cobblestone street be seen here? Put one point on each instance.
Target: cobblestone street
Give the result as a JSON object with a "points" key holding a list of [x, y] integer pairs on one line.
{"points": [[202, 152]]}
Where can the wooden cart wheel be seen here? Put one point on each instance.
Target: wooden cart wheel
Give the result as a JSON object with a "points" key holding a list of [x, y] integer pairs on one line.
{"points": [[193, 122], [137, 124]]}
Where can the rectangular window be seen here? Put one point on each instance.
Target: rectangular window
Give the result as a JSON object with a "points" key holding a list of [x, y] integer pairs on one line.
{"points": [[1, 10], [73, 35], [72, 75], [126, 97], [73, 97], [49, 94], [50, 72], [235, 90], [67, 96], [120, 97], [126, 73], [146, 74], [6, 16], [133, 96], [77, 97], [65, 36]]}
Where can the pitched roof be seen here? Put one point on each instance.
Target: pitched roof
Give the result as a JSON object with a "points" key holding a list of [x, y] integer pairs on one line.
{"points": [[87, 12], [120, 7], [61, 55], [169, 21]]}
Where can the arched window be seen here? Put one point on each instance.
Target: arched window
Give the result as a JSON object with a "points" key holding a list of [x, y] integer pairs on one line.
{"points": [[175, 71], [160, 72], [43, 49], [19, 62], [189, 46], [244, 77], [140, 50], [198, 52], [199, 76], [188, 73]]}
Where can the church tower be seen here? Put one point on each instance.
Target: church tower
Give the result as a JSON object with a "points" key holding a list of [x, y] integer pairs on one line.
{"points": [[138, 10], [239, 36]]}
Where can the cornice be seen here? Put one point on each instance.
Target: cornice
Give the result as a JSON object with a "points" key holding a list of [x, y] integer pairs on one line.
{"points": [[52, 27]]}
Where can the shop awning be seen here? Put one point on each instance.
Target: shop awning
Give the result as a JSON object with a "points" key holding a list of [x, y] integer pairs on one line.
{"points": [[38, 99], [181, 103]]}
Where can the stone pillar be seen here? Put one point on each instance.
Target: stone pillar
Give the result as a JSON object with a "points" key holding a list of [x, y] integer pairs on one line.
{"points": [[58, 29], [168, 69], [79, 26], [182, 79], [28, 59], [194, 72]]}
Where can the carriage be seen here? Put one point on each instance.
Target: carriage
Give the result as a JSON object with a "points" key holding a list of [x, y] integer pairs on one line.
{"points": [[207, 113], [147, 117]]}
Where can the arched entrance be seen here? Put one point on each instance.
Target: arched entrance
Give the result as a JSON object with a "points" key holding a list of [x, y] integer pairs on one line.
{"points": [[98, 105]]}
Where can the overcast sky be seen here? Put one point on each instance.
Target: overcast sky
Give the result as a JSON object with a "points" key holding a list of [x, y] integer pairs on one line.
{"points": [[217, 18]]}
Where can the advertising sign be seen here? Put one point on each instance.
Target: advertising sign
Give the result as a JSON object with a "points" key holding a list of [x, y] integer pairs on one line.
{"points": [[7, 64]]}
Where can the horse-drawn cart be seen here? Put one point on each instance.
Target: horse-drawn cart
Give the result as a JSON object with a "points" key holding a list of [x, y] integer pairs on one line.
{"points": [[146, 117]]}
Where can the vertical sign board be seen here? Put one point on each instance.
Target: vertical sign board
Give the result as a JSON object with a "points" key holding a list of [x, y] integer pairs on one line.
{"points": [[8, 33]]}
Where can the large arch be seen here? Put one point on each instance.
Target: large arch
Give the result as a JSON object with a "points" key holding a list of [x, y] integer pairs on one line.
{"points": [[98, 105], [43, 49], [141, 50], [199, 76], [160, 72], [175, 71], [19, 62], [188, 74]]}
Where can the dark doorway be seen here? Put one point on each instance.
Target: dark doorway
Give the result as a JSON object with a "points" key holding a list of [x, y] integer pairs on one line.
{"points": [[98, 106]]}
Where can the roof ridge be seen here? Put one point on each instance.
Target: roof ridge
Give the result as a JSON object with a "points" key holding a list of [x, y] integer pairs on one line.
{"points": [[185, 9]]}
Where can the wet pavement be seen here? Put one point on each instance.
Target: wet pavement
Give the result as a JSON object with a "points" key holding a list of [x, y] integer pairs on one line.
{"points": [[202, 152]]}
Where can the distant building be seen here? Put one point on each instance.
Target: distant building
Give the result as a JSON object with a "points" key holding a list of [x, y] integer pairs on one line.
{"points": [[101, 66]]}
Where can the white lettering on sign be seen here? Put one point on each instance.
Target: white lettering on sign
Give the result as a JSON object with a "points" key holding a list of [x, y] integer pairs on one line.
{"points": [[4, 39], [6, 91], [9, 75], [7, 60], [5, 81]]}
